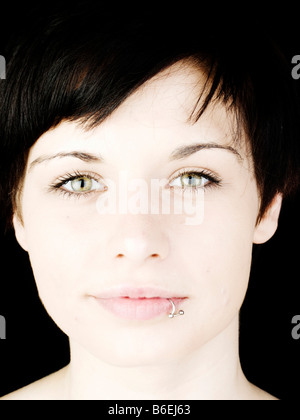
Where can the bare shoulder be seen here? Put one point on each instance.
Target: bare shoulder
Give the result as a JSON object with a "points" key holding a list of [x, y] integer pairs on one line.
{"points": [[51, 387], [256, 393], [263, 395]]}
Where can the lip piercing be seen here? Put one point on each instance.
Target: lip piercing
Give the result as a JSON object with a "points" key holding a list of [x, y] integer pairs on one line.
{"points": [[172, 314]]}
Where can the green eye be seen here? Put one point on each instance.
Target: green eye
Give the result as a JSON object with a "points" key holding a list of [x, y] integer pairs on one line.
{"points": [[192, 180], [78, 184], [81, 185]]}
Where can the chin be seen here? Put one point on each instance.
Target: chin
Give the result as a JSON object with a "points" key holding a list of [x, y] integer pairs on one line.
{"points": [[136, 347]]}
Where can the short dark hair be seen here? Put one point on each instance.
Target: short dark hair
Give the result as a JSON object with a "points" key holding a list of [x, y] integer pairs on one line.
{"points": [[81, 63]]}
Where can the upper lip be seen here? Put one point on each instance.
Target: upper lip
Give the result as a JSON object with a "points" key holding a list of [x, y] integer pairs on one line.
{"points": [[136, 293]]}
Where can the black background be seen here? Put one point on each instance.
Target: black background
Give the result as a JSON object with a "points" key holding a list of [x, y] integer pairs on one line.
{"points": [[270, 357]]}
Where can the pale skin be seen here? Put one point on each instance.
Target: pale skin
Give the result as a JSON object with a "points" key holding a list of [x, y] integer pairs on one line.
{"points": [[75, 251]]}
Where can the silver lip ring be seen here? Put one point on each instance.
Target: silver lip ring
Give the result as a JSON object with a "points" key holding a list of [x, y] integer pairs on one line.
{"points": [[172, 314]]}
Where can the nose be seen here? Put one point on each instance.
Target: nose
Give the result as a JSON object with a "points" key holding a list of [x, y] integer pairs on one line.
{"points": [[138, 241]]}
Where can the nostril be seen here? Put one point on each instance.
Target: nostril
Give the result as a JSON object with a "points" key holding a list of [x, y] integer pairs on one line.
{"points": [[122, 256]]}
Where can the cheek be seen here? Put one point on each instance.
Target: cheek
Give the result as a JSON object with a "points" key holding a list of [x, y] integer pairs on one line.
{"points": [[61, 252], [217, 256]]}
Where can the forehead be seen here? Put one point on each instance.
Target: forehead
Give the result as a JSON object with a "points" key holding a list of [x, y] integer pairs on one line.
{"points": [[157, 114], [173, 96]]}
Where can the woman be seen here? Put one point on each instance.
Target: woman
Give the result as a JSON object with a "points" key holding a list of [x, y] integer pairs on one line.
{"points": [[103, 114]]}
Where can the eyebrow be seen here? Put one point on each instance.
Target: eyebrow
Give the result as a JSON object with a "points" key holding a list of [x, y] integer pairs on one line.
{"points": [[85, 157], [185, 151], [179, 153]]}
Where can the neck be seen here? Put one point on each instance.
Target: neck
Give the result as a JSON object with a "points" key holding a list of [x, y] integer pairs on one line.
{"points": [[212, 372]]}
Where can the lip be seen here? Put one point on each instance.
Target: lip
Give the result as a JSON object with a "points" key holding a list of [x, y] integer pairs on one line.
{"points": [[138, 303]]}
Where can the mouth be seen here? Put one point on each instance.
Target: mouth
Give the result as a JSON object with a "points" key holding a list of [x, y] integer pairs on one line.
{"points": [[138, 304]]}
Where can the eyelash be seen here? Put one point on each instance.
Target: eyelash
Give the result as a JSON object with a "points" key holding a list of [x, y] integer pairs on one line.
{"points": [[60, 182], [213, 181]]}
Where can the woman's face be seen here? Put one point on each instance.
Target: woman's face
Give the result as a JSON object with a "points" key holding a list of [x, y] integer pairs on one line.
{"points": [[105, 276]]}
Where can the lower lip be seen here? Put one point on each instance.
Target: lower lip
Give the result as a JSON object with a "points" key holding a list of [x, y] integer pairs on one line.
{"points": [[141, 309]]}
